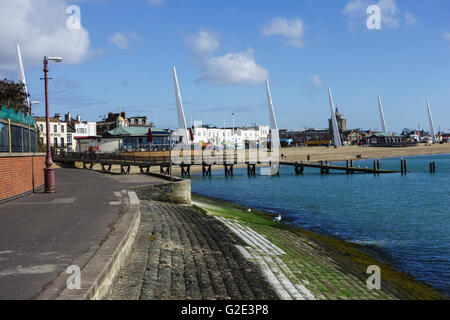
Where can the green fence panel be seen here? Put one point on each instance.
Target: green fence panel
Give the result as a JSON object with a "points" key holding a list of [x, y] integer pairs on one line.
{"points": [[4, 137], [22, 139]]}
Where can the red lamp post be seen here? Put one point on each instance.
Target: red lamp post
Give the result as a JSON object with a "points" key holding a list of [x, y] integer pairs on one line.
{"points": [[49, 171]]}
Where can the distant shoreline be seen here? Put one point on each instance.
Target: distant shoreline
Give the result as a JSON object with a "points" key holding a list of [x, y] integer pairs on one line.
{"points": [[344, 153]]}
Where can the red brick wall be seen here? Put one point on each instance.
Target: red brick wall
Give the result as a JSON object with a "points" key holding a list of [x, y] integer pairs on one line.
{"points": [[16, 174]]}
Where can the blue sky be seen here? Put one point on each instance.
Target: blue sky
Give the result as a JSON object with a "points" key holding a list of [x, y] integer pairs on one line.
{"points": [[224, 50]]}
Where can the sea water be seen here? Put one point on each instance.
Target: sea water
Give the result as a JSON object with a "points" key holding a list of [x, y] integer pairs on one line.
{"points": [[405, 216]]}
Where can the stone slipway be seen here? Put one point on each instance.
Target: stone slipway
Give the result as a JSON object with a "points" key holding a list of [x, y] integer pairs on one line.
{"points": [[181, 254]]}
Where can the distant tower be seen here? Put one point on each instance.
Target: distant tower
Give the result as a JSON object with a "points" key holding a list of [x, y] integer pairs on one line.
{"points": [[341, 122], [336, 134], [120, 121]]}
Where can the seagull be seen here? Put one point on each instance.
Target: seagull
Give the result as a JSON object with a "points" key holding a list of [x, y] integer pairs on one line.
{"points": [[298, 206], [277, 219], [249, 210]]}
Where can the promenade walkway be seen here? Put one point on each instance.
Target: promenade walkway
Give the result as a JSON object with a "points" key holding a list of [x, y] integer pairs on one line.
{"points": [[42, 234]]}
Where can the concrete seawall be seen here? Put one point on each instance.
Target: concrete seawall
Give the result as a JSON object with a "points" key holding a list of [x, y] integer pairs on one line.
{"points": [[176, 191]]}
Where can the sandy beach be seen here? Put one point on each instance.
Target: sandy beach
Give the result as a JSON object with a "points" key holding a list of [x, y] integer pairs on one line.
{"points": [[351, 152]]}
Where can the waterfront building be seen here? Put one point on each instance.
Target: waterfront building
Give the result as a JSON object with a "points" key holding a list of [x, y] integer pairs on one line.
{"points": [[226, 138], [78, 129], [309, 137], [58, 131], [115, 120], [125, 138], [383, 139]]}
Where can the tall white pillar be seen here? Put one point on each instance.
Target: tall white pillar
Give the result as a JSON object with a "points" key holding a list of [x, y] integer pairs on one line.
{"points": [[337, 136], [383, 122], [430, 119], [21, 72], [180, 111], [273, 120]]}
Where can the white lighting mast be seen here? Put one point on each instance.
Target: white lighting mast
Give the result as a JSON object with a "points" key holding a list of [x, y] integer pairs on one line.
{"points": [[337, 137], [180, 111]]}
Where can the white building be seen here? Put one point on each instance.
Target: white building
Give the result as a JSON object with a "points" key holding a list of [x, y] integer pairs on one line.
{"points": [[79, 129], [58, 131], [224, 137]]}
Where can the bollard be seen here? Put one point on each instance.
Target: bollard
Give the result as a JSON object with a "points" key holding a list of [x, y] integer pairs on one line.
{"points": [[402, 166], [378, 164], [405, 166]]}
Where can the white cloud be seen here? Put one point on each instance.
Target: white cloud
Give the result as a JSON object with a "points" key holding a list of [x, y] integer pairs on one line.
{"points": [[156, 2], [410, 19], [316, 82], [123, 40], [234, 68], [40, 29], [203, 42], [391, 15], [290, 29], [446, 36]]}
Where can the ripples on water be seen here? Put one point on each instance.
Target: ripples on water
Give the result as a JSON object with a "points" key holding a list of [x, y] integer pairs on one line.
{"points": [[407, 217]]}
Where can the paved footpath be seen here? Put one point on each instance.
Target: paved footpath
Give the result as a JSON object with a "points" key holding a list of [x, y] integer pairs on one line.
{"points": [[182, 254], [42, 234]]}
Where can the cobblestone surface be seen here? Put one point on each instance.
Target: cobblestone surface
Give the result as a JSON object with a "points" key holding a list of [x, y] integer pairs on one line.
{"points": [[181, 254]]}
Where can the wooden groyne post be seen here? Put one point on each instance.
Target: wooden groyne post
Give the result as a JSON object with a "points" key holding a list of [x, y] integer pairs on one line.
{"points": [[432, 167], [403, 166]]}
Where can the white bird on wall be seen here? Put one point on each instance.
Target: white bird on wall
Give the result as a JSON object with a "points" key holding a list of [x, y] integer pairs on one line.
{"points": [[277, 219]]}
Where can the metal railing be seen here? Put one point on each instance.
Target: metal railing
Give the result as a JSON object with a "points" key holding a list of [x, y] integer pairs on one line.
{"points": [[118, 158], [61, 155]]}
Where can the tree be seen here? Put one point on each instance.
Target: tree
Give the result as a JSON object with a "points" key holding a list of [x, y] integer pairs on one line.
{"points": [[41, 146], [13, 95]]}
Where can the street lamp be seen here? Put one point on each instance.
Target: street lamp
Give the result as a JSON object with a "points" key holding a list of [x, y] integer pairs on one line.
{"points": [[31, 105], [173, 137], [49, 171]]}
